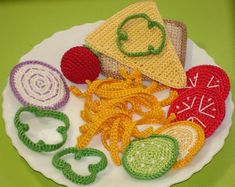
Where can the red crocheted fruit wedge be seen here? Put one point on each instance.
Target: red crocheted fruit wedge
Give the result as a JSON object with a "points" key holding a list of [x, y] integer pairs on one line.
{"points": [[210, 77], [200, 105]]}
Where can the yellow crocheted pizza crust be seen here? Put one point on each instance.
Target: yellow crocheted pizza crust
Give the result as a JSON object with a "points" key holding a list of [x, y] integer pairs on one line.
{"points": [[164, 67], [190, 137]]}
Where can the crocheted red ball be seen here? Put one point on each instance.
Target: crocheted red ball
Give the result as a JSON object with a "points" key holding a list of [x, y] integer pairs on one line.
{"points": [[79, 64]]}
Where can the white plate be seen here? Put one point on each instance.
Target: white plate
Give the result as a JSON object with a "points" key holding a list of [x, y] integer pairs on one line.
{"points": [[51, 51]]}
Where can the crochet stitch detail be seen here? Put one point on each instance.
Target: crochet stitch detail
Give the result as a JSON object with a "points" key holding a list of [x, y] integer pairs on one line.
{"points": [[111, 113], [209, 77], [39, 84], [41, 146], [165, 68], [176, 31], [66, 168], [122, 36], [150, 158], [79, 64], [190, 137], [202, 106]]}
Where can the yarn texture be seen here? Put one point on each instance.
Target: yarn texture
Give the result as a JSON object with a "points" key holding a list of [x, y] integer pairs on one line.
{"points": [[111, 113], [177, 32], [164, 67], [66, 168], [190, 137], [208, 77], [39, 84], [79, 64], [150, 158], [41, 146], [122, 36], [200, 105]]}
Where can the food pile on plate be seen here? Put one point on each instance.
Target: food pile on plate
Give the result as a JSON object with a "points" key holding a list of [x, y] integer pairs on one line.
{"points": [[141, 55]]}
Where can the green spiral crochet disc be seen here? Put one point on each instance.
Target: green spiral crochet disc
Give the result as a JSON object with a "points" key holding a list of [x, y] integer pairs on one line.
{"points": [[150, 158]]}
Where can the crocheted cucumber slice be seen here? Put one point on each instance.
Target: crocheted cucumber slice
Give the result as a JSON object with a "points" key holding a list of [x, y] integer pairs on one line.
{"points": [[150, 158]]}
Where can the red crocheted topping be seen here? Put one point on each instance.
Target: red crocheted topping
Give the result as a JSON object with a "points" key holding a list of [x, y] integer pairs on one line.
{"points": [[200, 105], [210, 77], [79, 64]]}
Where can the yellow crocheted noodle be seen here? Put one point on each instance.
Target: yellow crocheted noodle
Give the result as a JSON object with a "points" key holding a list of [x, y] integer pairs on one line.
{"points": [[164, 67], [190, 137], [110, 113]]}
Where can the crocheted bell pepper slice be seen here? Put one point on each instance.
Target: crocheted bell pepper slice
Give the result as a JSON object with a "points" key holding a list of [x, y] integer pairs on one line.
{"points": [[200, 105], [150, 158], [190, 137], [122, 36], [39, 84], [165, 68], [210, 77], [66, 168], [41, 146]]}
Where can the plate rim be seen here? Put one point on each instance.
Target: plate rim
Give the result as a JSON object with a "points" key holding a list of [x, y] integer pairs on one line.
{"points": [[180, 179]]}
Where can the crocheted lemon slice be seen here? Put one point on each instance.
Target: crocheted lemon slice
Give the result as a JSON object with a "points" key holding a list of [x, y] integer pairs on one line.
{"points": [[190, 137], [150, 158], [136, 38]]}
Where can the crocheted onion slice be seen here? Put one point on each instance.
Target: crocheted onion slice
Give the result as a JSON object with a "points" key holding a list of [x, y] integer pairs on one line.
{"points": [[200, 105], [39, 84], [150, 158], [190, 137], [209, 77]]}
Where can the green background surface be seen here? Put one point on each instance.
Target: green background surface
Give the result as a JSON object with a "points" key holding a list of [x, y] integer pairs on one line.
{"points": [[23, 24]]}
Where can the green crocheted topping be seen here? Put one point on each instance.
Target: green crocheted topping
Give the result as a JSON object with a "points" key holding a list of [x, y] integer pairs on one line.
{"points": [[41, 146], [78, 154], [122, 36], [150, 158]]}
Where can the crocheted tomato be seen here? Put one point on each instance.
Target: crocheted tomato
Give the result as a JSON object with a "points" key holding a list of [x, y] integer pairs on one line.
{"points": [[200, 105], [209, 77], [79, 64]]}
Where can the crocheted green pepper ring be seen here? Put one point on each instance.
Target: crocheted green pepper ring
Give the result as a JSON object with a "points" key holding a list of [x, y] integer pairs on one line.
{"points": [[150, 158], [122, 36], [78, 154], [41, 146]]}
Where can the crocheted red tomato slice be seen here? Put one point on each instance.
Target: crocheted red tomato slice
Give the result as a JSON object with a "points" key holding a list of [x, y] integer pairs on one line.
{"points": [[200, 105], [210, 77]]}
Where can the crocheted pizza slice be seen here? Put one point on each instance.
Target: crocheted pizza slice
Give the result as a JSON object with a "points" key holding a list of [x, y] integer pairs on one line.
{"points": [[190, 137], [200, 105], [136, 37], [150, 158], [176, 31], [210, 77], [39, 84]]}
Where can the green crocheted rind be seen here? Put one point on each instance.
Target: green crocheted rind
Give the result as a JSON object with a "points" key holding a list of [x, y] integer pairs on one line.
{"points": [[150, 158], [122, 36], [78, 154], [41, 146]]}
